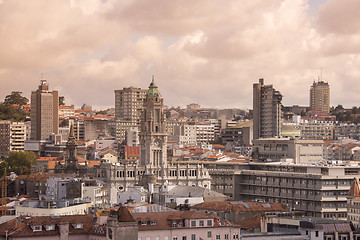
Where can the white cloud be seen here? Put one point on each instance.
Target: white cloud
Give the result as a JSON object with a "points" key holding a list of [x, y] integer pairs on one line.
{"points": [[199, 51]]}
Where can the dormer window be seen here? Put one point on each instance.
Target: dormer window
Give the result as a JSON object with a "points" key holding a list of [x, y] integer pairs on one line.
{"points": [[143, 222], [49, 227], [153, 223], [174, 224], [78, 225], [37, 228]]}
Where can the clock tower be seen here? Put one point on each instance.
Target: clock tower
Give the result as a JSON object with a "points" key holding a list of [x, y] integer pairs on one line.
{"points": [[153, 136]]}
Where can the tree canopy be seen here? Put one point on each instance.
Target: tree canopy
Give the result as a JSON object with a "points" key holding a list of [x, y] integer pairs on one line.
{"points": [[7, 112], [18, 162], [15, 98]]}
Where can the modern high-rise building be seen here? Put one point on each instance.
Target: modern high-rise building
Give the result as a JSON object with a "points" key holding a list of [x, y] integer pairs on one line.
{"points": [[320, 97], [129, 103], [44, 112], [266, 111]]}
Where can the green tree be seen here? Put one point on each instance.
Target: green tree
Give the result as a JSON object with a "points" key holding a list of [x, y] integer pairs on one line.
{"points": [[339, 108], [7, 112], [15, 98], [61, 101], [18, 162]]}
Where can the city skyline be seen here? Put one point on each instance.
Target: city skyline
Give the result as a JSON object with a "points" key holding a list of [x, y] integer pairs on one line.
{"points": [[201, 52]]}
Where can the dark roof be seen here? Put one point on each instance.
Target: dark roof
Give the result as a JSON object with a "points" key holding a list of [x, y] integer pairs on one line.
{"points": [[164, 219], [23, 226], [124, 215], [238, 206]]}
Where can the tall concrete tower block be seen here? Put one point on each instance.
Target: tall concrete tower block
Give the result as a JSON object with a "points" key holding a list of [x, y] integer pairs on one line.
{"points": [[320, 97], [266, 111], [44, 112]]}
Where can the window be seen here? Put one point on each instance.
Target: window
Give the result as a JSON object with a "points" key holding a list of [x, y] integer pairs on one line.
{"points": [[226, 236], [209, 222], [175, 238], [307, 232], [193, 223], [37, 228], [193, 236], [317, 234], [217, 236], [153, 223], [50, 227], [201, 223], [236, 236], [184, 238], [143, 223], [209, 234]]}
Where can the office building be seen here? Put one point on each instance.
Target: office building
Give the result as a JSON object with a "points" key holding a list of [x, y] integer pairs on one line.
{"points": [[320, 97], [44, 112], [266, 110]]}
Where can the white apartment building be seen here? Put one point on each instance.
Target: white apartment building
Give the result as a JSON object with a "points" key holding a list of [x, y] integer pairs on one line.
{"points": [[205, 133]]}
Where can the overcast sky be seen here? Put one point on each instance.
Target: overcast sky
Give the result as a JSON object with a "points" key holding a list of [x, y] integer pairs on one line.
{"points": [[201, 51]]}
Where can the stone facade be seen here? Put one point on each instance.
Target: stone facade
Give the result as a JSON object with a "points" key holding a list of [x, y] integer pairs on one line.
{"points": [[153, 167]]}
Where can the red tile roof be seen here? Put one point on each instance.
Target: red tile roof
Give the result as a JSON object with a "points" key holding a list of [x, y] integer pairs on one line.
{"points": [[132, 151]]}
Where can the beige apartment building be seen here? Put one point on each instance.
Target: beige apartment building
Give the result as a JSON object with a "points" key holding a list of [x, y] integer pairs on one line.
{"points": [[319, 190], [320, 97]]}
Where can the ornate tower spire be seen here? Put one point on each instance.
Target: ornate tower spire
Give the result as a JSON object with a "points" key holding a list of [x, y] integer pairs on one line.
{"points": [[153, 137], [71, 148]]}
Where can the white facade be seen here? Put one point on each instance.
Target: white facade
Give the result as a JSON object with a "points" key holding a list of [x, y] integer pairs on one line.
{"points": [[78, 209], [17, 136], [205, 133], [95, 194]]}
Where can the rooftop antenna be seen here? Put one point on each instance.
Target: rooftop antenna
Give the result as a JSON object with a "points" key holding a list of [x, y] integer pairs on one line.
{"points": [[321, 74]]}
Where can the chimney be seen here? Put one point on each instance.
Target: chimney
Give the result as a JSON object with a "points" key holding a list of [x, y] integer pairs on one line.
{"points": [[64, 231]]}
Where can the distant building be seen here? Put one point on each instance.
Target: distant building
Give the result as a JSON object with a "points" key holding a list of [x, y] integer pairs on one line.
{"points": [[129, 104], [205, 133], [266, 110], [320, 97], [193, 106], [132, 136], [185, 135], [4, 138], [44, 112], [300, 150], [239, 134], [66, 111]]}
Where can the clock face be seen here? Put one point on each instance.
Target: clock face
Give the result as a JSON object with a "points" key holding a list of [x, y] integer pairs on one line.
{"points": [[157, 143]]}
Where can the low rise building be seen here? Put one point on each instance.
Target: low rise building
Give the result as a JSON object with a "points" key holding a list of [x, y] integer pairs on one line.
{"points": [[52, 208], [300, 150]]}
